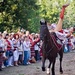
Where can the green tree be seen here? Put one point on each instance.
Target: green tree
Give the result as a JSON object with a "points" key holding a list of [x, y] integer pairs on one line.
{"points": [[18, 13], [26, 14], [50, 9]]}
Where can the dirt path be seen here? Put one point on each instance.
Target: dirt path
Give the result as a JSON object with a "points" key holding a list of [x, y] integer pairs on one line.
{"points": [[35, 69]]}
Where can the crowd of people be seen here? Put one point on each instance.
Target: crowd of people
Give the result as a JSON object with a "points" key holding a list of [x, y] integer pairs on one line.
{"points": [[21, 48]]}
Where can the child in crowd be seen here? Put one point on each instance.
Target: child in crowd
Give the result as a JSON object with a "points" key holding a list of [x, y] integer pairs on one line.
{"points": [[26, 48]]}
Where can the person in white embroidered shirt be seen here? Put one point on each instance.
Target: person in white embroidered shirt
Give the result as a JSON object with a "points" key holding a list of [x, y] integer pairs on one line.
{"points": [[58, 28], [26, 48]]}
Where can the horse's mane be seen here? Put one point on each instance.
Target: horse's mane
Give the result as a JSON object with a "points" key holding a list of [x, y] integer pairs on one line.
{"points": [[49, 45]]}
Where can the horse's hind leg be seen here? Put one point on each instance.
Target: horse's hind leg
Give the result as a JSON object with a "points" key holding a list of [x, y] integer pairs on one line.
{"points": [[61, 56], [53, 67], [43, 63], [48, 69]]}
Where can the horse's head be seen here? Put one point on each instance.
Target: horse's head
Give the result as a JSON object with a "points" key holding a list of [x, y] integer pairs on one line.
{"points": [[43, 29]]}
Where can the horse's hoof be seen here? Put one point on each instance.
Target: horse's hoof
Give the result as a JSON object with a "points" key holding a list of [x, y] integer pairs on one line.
{"points": [[48, 74], [48, 71], [61, 72], [43, 68]]}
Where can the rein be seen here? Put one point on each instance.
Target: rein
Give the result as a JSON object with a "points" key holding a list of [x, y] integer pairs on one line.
{"points": [[48, 52], [55, 42], [50, 49]]}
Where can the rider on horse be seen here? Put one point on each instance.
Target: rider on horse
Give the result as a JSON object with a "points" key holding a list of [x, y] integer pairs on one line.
{"points": [[60, 33]]}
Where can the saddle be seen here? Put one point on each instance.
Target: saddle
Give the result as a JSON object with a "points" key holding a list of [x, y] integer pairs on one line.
{"points": [[56, 40]]}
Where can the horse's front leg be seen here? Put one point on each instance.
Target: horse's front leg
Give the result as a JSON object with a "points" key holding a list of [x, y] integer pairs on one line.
{"points": [[61, 71], [61, 56], [43, 63], [48, 69], [53, 67]]}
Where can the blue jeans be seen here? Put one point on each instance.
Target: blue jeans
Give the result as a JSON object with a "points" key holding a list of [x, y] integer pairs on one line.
{"points": [[38, 56], [25, 57], [29, 55], [6, 61]]}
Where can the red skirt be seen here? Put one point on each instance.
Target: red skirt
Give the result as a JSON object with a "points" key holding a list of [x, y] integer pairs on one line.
{"points": [[32, 52]]}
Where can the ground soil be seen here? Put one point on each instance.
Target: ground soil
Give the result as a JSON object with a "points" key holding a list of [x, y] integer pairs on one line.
{"points": [[35, 69]]}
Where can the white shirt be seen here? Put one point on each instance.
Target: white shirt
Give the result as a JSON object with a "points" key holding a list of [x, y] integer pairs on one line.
{"points": [[26, 45], [16, 43], [36, 47], [60, 35], [11, 42], [2, 44]]}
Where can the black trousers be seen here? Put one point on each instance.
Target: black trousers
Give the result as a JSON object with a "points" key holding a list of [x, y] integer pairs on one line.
{"points": [[36, 55]]}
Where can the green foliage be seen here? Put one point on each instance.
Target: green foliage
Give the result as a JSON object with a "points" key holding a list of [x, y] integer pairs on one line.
{"points": [[18, 13], [70, 16], [26, 14]]}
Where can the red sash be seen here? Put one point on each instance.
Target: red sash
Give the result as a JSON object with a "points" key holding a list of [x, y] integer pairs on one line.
{"points": [[8, 45], [59, 46]]}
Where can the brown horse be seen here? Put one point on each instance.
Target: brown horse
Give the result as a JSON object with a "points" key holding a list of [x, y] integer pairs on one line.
{"points": [[50, 48]]}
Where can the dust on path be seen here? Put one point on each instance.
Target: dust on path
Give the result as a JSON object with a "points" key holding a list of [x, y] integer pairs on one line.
{"points": [[35, 69]]}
